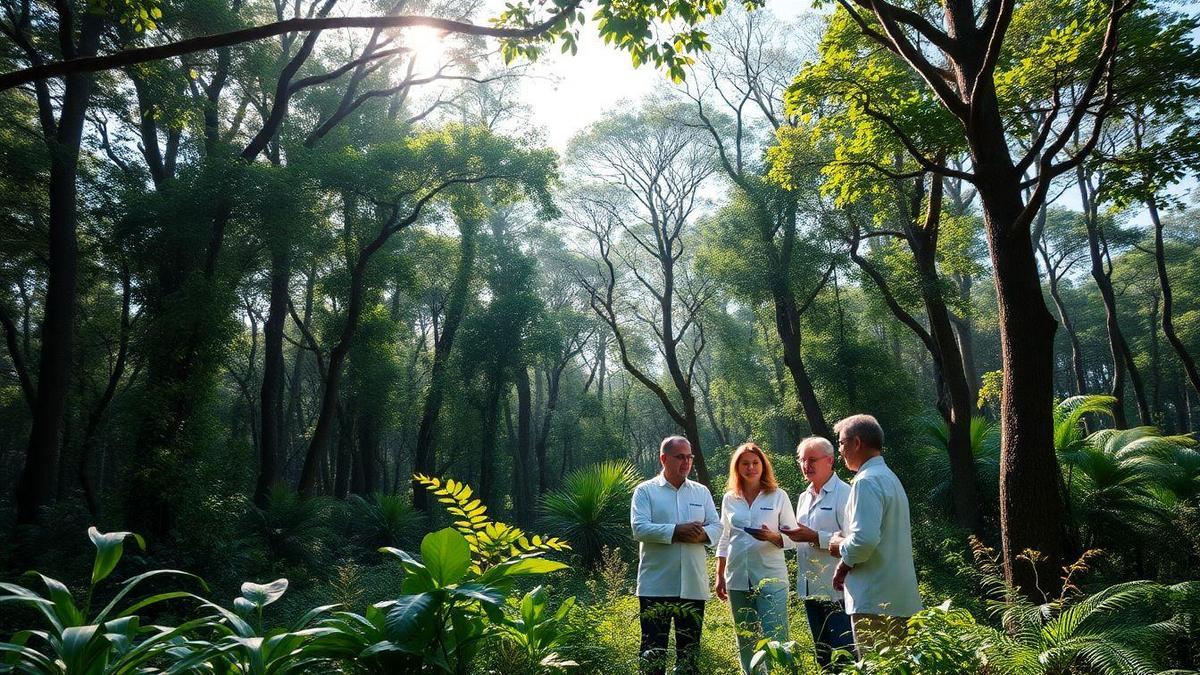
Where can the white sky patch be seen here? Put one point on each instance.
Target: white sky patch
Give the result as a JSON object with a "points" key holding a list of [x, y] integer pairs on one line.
{"points": [[569, 92]]}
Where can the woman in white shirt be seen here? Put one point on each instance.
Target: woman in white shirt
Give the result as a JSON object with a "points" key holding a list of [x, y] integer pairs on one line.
{"points": [[751, 572]]}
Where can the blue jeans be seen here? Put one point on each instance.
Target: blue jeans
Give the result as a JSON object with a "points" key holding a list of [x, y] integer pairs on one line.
{"points": [[830, 628], [759, 613]]}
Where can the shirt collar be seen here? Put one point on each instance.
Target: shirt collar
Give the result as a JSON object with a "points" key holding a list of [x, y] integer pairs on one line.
{"points": [[874, 461], [827, 488], [661, 481]]}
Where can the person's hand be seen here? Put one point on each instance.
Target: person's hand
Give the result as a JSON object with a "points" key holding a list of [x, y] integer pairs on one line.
{"points": [[722, 592], [835, 545], [765, 533], [800, 533], [839, 576], [690, 533]]}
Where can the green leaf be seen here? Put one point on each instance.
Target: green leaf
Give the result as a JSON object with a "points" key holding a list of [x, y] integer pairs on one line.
{"points": [[109, 548], [261, 595], [447, 556], [411, 622]]}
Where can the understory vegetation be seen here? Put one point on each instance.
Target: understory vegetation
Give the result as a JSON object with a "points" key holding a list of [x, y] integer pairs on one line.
{"points": [[344, 329]]}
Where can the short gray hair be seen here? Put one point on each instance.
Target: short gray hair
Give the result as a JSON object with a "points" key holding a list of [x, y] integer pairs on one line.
{"points": [[818, 441], [863, 427], [670, 442]]}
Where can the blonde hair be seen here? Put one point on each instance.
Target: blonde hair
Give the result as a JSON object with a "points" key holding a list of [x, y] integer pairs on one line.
{"points": [[734, 484]]}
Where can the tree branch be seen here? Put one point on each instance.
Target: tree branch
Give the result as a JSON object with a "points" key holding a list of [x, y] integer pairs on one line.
{"points": [[172, 49]]}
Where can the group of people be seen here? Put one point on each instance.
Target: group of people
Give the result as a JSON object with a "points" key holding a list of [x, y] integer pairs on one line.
{"points": [[854, 563]]}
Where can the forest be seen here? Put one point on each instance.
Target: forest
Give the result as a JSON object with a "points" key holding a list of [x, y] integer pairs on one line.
{"points": [[322, 357]]}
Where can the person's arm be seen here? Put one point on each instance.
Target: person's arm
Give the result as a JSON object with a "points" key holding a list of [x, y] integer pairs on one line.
{"points": [[864, 530], [787, 518], [644, 528], [841, 502], [726, 533], [712, 521], [722, 591]]}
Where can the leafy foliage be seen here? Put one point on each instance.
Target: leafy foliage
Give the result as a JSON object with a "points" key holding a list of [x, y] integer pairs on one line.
{"points": [[591, 508], [491, 543], [73, 639]]}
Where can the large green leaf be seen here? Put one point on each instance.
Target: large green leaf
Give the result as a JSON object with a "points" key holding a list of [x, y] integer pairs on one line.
{"points": [[446, 555], [66, 613], [109, 548], [521, 567], [261, 595], [412, 621]]}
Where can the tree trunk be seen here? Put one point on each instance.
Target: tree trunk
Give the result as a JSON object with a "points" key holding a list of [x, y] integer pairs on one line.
{"points": [[35, 487], [553, 378], [1119, 349], [97, 415], [1077, 369], [948, 361], [367, 463], [787, 314], [487, 448], [423, 454], [344, 468], [964, 328], [271, 397], [1168, 321], [1031, 490], [522, 485]]}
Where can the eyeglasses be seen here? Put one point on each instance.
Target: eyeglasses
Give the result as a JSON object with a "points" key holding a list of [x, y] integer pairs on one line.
{"points": [[683, 458]]}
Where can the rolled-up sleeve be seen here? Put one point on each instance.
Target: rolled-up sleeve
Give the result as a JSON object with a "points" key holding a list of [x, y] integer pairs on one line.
{"points": [[644, 529], [864, 530]]}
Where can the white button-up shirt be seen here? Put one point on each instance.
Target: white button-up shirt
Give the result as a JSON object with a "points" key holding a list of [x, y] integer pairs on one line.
{"points": [[879, 545], [669, 569], [749, 561], [824, 512]]}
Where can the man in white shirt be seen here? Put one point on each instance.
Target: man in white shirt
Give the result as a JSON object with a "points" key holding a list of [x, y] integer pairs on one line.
{"points": [[673, 518], [821, 513], [876, 567]]}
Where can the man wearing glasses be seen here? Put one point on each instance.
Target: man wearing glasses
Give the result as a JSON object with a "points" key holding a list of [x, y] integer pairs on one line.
{"points": [[673, 519]]}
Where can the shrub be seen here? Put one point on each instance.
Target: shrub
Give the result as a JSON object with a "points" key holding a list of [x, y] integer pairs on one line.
{"points": [[591, 510], [74, 640]]}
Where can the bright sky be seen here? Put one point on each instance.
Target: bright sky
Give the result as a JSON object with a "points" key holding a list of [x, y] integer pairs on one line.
{"points": [[569, 92], [575, 90]]}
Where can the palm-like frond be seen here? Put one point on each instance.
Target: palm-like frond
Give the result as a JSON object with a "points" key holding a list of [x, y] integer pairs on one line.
{"points": [[1120, 629], [1068, 418], [590, 510], [1116, 479], [985, 448]]}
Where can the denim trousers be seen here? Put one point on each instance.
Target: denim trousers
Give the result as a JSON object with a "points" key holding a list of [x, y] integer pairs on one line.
{"points": [[757, 614]]}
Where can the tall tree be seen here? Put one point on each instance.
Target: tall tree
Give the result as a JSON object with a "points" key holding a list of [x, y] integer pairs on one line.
{"points": [[956, 50], [738, 91], [62, 119], [640, 221]]}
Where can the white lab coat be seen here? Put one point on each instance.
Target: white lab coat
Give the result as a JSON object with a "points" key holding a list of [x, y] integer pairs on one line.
{"points": [[672, 569], [748, 561], [878, 545], [827, 514]]}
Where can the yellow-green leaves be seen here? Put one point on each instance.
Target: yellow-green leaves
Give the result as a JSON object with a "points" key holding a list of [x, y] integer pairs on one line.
{"points": [[659, 32], [141, 15]]}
